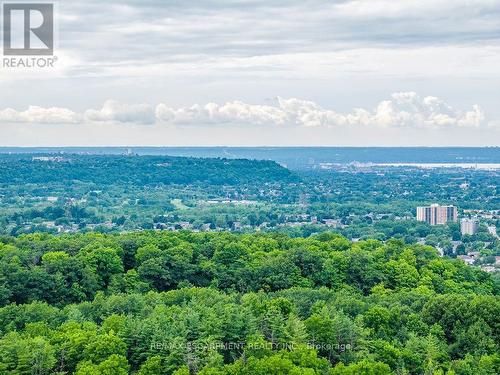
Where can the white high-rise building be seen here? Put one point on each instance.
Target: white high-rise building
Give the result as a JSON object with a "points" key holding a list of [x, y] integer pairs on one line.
{"points": [[469, 226], [436, 214]]}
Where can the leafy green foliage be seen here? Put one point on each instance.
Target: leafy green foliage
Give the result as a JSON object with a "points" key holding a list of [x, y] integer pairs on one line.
{"points": [[220, 303]]}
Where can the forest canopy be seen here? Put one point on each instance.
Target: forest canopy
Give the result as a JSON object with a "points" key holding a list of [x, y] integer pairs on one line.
{"points": [[144, 170], [220, 303]]}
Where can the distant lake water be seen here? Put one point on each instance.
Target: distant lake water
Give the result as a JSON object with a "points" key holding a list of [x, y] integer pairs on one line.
{"points": [[491, 166]]}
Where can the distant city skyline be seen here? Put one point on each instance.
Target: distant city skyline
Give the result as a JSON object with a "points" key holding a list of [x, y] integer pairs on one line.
{"points": [[255, 73]]}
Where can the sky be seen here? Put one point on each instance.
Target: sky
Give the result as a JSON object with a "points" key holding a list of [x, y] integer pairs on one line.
{"points": [[262, 73]]}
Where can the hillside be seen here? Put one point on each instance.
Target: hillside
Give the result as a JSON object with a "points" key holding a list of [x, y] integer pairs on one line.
{"points": [[138, 170]]}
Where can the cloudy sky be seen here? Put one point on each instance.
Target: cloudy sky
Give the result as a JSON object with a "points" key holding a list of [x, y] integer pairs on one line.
{"points": [[274, 72]]}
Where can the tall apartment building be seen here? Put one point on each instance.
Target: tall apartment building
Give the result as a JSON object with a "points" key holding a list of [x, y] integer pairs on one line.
{"points": [[469, 226], [436, 214]]}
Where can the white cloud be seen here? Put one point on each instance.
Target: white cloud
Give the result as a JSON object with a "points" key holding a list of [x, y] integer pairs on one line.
{"points": [[35, 114], [233, 112], [403, 109], [115, 112], [409, 109]]}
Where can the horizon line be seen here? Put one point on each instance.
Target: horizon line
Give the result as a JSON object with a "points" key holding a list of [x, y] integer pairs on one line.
{"points": [[259, 146]]}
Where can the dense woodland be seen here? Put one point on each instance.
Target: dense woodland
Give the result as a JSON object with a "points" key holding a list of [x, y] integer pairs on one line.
{"points": [[146, 170], [220, 303]]}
